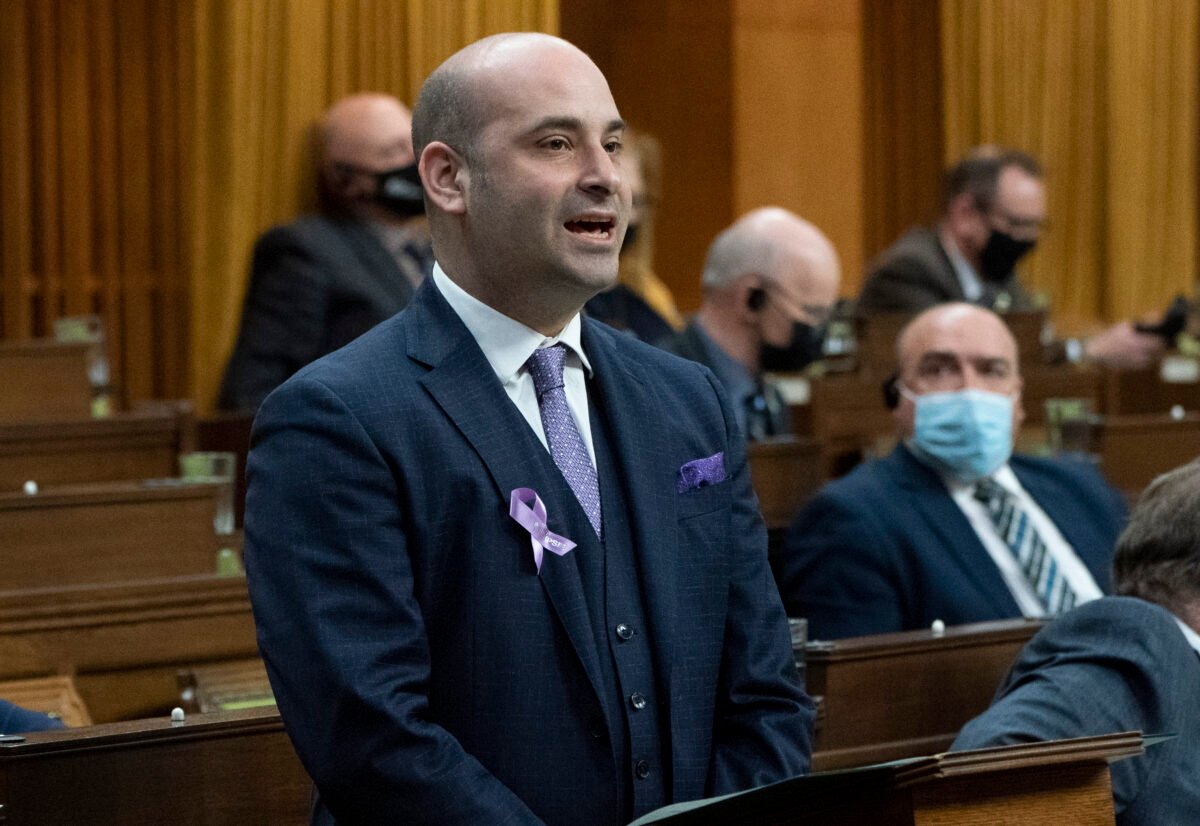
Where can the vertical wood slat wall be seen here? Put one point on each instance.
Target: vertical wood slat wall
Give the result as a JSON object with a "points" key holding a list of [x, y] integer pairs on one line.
{"points": [[1105, 93], [92, 179], [148, 142]]}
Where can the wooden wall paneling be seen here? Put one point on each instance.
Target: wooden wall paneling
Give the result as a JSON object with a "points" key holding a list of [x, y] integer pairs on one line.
{"points": [[75, 157], [106, 214], [670, 66], [16, 178], [47, 229], [798, 116], [135, 135], [168, 288], [902, 99]]}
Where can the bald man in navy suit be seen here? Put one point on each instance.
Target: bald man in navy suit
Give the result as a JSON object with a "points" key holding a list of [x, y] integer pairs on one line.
{"points": [[506, 563]]}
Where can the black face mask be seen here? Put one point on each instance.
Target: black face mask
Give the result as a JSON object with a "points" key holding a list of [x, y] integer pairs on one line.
{"points": [[804, 348], [1000, 254], [400, 191]]}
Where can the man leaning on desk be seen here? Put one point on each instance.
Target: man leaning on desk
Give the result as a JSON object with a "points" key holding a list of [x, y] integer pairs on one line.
{"points": [[1124, 663], [950, 525]]}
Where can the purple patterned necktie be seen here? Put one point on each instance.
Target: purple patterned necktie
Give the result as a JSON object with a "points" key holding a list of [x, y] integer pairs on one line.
{"points": [[566, 445]]}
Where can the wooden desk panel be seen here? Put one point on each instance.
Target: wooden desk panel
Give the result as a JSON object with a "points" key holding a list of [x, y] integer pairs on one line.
{"points": [[230, 768], [1136, 449], [44, 381], [1130, 392], [126, 643], [108, 532], [889, 696], [785, 474], [139, 445], [1061, 381], [54, 695]]}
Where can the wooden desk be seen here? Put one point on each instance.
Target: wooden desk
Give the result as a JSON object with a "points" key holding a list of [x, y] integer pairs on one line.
{"points": [[138, 445], [107, 532], [125, 644], [785, 473], [889, 696], [226, 686], [54, 695], [1058, 381], [1033, 784], [1136, 449], [232, 768], [44, 381], [1143, 391]]}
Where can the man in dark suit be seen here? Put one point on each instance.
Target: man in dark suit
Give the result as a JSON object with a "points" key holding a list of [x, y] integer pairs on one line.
{"points": [[993, 212], [320, 282], [17, 720], [770, 282], [950, 526], [506, 564], [1124, 663]]}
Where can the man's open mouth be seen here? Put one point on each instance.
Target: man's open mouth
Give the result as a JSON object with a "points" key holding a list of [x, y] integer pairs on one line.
{"points": [[599, 228]]}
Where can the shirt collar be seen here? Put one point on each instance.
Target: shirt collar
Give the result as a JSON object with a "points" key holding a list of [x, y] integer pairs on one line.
{"points": [[506, 342], [1189, 634], [968, 279]]}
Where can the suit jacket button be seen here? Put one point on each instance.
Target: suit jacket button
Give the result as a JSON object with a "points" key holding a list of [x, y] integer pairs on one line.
{"points": [[624, 631], [637, 700], [596, 729], [642, 769]]}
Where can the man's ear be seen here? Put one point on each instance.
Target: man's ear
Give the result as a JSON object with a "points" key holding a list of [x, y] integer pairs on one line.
{"points": [[444, 175]]}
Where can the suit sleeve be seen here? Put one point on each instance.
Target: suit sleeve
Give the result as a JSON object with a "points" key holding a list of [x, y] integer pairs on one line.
{"points": [[283, 320], [902, 285], [1085, 674], [340, 627], [835, 573], [764, 720]]}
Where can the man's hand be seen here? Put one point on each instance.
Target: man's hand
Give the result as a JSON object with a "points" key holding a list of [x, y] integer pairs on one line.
{"points": [[1121, 347]]}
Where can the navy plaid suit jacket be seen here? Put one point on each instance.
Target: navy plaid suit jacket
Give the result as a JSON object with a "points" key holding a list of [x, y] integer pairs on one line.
{"points": [[423, 668]]}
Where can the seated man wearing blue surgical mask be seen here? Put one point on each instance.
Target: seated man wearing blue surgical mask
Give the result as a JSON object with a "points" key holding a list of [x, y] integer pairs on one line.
{"points": [[951, 525]]}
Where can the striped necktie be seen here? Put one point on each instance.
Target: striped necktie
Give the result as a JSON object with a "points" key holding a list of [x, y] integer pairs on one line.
{"points": [[1037, 564]]}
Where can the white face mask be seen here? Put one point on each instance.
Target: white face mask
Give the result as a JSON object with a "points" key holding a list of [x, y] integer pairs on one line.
{"points": [[964, 433]]}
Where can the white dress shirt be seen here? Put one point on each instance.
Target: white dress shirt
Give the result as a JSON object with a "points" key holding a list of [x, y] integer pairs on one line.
{"points": [[1190, 635], [507, 344], [1068, 562], [968, 279]]}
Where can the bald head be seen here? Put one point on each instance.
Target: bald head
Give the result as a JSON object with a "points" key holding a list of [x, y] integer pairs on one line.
{"points": [[368, 130], [458, 97], [780, 247], [954, 347]]}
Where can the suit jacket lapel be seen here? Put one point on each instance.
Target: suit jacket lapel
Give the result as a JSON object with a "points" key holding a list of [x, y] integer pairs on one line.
{"points": [[1072, 522], [645, 468], [379, 268], [488, 419], [943, 517]]}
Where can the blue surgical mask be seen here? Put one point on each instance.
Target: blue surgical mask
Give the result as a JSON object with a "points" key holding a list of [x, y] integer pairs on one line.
{"points": [[966, 434]]}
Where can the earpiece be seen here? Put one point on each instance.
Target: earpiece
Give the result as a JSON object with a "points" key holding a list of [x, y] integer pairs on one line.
{"points": [[891, 391], [756, 298]]}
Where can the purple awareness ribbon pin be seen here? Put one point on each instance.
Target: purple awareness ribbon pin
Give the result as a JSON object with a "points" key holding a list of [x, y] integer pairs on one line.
{"points": [[533, 519]]}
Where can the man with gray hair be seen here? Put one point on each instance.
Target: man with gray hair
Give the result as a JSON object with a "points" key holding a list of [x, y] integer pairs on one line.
{"points": [[1122, 663], [770, 282]]}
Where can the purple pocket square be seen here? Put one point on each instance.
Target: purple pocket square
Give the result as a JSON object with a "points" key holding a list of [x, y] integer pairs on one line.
{"points": [[701, 472]]}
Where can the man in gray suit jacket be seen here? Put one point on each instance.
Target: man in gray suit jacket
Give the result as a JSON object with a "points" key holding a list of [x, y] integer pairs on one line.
{"points": [[1124, 663], [993, 211], [320, 282]]}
